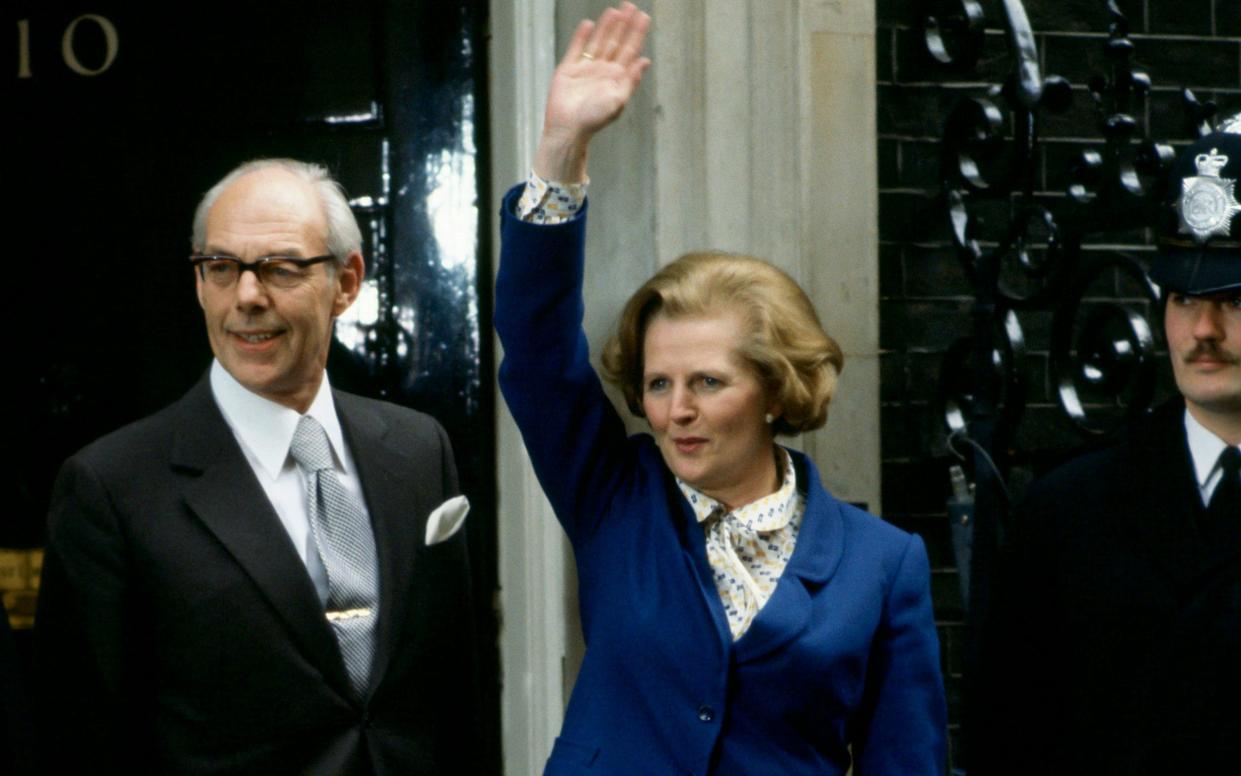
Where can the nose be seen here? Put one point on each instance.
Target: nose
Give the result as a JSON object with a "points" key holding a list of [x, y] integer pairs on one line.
{"points": [[1208, 323], [684, 406], [251, 294]]}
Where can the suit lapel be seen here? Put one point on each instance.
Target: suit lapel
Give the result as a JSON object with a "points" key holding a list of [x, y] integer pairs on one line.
{"points": [[786, 615], [1225, 548], [223, 493], [819, 548], [394, 503], [694, 549]]}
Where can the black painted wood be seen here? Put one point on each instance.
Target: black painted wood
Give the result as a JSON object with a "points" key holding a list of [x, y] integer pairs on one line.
{"points": [[112, 143]]}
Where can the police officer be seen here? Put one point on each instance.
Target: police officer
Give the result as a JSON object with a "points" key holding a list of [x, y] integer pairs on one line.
{"points": [[1114, 644]]}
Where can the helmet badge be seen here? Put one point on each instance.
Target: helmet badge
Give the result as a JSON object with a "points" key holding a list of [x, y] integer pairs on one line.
{"points": [[1207, 203]]}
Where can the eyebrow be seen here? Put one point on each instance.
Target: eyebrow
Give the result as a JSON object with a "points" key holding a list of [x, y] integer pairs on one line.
{"points": [[292, 253]]}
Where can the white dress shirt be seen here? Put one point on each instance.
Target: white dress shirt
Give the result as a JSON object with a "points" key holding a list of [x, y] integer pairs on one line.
{"points": [[264, 430], [1204, 450]]}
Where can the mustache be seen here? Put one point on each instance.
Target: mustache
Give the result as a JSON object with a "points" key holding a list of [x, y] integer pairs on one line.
{"points": [[1212, 351]]}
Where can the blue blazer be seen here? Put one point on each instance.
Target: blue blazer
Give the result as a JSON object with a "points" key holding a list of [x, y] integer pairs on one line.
{"points": [[843, 654]]}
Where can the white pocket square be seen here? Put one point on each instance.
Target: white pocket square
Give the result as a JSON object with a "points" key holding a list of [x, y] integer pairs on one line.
{"points": [[447, 519]]}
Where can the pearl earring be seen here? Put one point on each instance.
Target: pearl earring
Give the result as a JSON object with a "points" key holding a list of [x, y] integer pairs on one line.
{"points": [[769, 417]]}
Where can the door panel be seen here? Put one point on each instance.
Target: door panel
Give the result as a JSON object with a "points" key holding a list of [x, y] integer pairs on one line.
{"points": [[125, 112]]}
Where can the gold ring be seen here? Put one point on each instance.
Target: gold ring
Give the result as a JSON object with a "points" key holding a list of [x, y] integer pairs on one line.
{"points": [[587, 55]]}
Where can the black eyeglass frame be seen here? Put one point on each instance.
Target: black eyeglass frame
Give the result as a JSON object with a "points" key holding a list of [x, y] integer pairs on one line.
{"points": [[256, 266]]}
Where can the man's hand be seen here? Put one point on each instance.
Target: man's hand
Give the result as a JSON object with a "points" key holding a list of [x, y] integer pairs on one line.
{"points": [[591, 86]]}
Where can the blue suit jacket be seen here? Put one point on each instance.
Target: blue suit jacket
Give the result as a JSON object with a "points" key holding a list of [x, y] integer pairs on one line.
{"points": [[844, 653]]}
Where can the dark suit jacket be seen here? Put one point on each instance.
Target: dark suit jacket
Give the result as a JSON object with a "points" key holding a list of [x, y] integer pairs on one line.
{"points": [[16, 731], [844, 654], [179, 632], [1115, 645]]}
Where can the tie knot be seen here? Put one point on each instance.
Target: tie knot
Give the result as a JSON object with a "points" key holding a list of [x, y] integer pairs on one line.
{"points": [[1230, 461], [310, 447]]}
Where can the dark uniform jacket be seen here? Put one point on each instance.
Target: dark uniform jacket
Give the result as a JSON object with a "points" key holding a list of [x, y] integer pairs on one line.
{"points": [[1114, 644]]}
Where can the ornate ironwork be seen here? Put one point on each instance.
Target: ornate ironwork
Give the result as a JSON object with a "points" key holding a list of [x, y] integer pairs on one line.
{"points": [[1102, 358], [1103, 343]]}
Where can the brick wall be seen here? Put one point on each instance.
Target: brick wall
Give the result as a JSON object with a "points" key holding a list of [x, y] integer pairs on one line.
{"points": [[926, 296]]}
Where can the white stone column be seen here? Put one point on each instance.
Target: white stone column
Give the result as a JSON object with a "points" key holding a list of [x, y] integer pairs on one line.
{"points": [[840, 231], [765, 144], [531, 547]]}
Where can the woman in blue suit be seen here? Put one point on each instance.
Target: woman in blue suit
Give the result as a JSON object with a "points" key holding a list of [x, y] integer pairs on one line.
{"points": [[738, 619]]}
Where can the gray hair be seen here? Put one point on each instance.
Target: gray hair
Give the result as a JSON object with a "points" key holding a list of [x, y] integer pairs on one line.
{"points": [[343, 235]]}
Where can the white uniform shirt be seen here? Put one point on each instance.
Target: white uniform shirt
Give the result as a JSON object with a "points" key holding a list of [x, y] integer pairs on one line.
{"points": [[1204, 451]]}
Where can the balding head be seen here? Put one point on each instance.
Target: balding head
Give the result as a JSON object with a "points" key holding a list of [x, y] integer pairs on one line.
{"points": [[341, 236]]}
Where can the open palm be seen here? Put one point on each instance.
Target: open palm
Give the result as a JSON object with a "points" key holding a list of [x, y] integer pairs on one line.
{"points": [[596, 77]]}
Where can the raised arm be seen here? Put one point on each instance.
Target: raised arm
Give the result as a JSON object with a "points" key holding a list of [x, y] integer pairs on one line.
{"points": [[591, 86], [575, 439]]}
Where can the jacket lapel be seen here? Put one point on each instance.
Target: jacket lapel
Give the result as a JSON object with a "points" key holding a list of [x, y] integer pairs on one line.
{"points": [[222, 491], [819, 549], [694, 549], [398, 514]]}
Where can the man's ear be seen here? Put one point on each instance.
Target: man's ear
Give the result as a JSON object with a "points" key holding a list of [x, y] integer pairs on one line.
{"points": [[349, 276]]}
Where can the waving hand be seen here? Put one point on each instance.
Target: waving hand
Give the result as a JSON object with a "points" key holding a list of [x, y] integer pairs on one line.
{"points": [[591, 86]]}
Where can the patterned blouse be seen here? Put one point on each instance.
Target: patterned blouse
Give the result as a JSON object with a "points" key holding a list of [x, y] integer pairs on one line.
{"points": [[749, 547]]}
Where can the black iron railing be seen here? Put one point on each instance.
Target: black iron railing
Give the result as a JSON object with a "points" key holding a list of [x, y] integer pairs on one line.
{"points": [[1021, 246]]}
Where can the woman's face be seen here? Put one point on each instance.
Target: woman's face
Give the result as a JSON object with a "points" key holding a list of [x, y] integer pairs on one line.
{"points": [[706, 407]]}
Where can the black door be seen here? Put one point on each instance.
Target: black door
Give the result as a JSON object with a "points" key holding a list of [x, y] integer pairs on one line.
{"points": [[125, 112]]}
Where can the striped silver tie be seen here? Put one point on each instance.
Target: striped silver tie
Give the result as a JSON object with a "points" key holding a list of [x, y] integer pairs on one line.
{"points": [[347, 548]]}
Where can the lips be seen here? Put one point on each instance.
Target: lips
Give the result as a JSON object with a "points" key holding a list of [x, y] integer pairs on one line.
{"points": [[255, 339], [689, 444]]}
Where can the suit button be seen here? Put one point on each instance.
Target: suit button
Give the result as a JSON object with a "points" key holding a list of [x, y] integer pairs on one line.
{"points": [[706, 713], [366, 721]]}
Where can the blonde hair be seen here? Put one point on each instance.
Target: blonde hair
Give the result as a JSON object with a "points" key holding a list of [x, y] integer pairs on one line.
{"points": [[784, 343]]}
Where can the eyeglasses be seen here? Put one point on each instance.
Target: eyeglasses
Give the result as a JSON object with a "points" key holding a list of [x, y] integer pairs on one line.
{"points": [[272, 271]]}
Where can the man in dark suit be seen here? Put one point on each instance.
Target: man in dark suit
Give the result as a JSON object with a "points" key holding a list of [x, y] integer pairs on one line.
{"points": [[267, 576], [1115, 641]]}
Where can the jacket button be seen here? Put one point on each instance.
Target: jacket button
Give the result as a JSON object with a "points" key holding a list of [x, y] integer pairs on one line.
{"points": [[366, 721], [706, 713]]}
